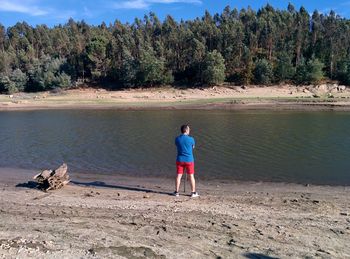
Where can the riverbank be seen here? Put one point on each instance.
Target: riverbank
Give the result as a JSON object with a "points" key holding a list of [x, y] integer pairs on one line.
{"points": [[100, 216], [323, 97]]}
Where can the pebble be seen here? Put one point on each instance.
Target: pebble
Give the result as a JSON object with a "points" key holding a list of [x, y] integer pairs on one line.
{"points": [[231, 242]]}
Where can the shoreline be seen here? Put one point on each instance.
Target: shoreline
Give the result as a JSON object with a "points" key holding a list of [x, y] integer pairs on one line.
{"points": [[123, 217], [216, 98]]}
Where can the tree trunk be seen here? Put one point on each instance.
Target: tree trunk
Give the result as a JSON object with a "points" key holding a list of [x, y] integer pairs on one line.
{"points": [[53, 179]]}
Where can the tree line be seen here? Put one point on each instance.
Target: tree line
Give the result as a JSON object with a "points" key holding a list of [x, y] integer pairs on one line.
{"points": [[268, 46]]}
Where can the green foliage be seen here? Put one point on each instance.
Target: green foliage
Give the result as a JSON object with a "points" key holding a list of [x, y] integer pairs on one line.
{"points": [[214, 68], [263, 73], [6, 85], [284, 69], [315, 70], [63, 80], [19, 80], [344, 72], [46, 74], [15, 82], [301, 74], [243, 46], [96, 52], [152, 70], [310, 72], [128, 72]]}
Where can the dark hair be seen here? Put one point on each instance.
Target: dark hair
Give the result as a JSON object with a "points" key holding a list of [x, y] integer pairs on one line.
{"points": [[184, 128]]}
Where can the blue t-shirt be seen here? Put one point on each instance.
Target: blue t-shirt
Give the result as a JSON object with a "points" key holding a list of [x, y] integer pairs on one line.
{"points": [[184, 144]]}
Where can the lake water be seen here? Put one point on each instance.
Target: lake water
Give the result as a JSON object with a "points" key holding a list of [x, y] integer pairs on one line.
{"points": [[300, 147]]}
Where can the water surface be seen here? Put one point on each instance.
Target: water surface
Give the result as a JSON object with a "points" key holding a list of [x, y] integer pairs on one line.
{"points": [[301, 147]]}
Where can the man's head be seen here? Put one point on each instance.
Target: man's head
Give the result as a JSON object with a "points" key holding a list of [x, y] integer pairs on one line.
{"points": [[185, 129]]}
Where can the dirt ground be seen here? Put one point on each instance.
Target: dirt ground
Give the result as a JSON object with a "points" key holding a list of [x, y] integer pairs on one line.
{"points": [[121, 217], [325, 96]]}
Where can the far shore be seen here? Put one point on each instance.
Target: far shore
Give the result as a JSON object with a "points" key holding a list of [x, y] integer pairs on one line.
{"points": [[287, 97]]}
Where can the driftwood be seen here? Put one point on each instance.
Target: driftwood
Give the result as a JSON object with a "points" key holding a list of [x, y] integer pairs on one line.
{"points": [[53, 179]]}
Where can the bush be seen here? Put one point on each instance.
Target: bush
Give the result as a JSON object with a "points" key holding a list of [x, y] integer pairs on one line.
{"points": [[214, 68], [343, 72], [19, 79], [63, 80], [284, 69], [263, 72], [152, 70], [6, 85], [46, 74], [309, 73], [15, 82]]}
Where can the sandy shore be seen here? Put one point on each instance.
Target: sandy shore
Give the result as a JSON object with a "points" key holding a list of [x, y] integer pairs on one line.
{"points": [[223, 97], [120, 217]]}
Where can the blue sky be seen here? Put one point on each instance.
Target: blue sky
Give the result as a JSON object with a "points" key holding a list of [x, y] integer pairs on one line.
{"points": [[52, 12]]}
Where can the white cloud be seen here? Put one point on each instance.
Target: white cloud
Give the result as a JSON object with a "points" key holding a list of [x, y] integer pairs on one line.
{"points": [[175, 1], [133, 4], [144, 4], [25, 7]]}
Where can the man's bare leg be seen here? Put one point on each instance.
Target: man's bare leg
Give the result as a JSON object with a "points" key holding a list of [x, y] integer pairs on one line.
{"points": [[193, 182], [178, 182]]}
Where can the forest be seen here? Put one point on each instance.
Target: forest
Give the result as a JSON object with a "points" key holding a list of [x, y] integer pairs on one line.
{"points": [[264, 47]]}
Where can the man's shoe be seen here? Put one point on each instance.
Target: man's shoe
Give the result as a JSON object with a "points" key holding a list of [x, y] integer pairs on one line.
{"points": [[194, 194], [176, 194]]}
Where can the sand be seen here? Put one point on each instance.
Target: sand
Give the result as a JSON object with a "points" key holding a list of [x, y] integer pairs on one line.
{"points": [[284, 97], [100, 216]]}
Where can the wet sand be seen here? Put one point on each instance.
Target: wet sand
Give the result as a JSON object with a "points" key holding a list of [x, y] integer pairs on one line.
{"points": [[121, 217]]}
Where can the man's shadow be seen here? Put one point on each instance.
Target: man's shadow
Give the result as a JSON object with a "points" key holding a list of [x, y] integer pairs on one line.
{"points": [[121, 187], [34, 185]]}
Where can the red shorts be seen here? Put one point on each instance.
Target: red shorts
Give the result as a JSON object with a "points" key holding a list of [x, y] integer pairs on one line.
{"points": [[181, 166]]}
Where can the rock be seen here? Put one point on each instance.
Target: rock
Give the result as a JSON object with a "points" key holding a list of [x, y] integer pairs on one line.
{"points": [[226, 226], [341, 88], [322, 88], [244, 87], [333, 86], [231, 242], [344, 214]]}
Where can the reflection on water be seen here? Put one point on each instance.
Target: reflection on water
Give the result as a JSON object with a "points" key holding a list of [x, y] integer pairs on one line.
{"points": [[264, 146]]}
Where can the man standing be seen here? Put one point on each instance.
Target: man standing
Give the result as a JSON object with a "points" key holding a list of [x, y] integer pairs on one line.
{"points": [[185, 161]]}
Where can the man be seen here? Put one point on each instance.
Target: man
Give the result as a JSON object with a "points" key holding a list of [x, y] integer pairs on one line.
{"points": [[185, 161]]}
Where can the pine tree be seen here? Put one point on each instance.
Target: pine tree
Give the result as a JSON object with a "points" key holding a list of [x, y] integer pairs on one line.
{"points": [[214, 68], [284, 69], [263, 73]]}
